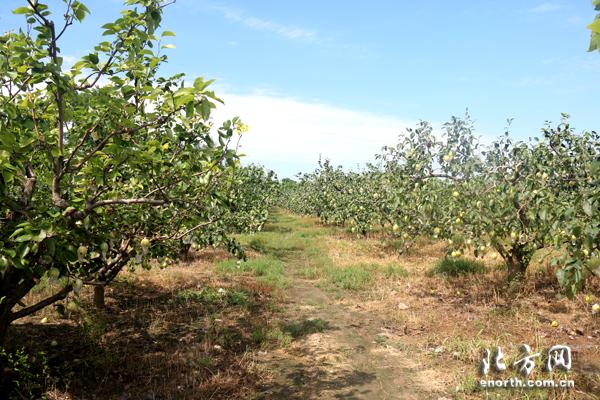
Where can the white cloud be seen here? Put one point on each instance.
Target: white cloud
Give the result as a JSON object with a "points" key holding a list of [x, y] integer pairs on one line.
{"points": [[545, 8], [286, 31], [288, 135], [69, 61]]}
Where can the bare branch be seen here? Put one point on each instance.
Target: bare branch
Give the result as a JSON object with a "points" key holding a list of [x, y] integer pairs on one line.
{"points": [[98, 74], [121, 258], [195, 228], [117, 45], [29, 186], [104, 203], [57, 199], [68, 20], [87, 134], [44, 303], [15, 94]]}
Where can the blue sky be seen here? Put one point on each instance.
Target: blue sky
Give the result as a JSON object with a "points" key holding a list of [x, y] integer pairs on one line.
{"points": [[343, 78]]}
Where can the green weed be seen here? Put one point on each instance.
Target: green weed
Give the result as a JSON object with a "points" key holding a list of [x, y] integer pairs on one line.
{"points": [[456, 267], [352, 277], [394, 271], [268, 270], [29, 374], [264, 335]]}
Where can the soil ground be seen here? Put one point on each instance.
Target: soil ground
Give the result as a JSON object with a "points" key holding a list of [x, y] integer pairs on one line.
{"points": [[315, 313]]}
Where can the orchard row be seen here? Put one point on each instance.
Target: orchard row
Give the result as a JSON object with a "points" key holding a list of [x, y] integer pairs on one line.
{"points": [[510, 197]]}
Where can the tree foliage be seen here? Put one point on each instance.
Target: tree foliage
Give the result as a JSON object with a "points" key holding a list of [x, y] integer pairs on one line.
{"points": [[595, 28], [107, 163], [511, 198]]}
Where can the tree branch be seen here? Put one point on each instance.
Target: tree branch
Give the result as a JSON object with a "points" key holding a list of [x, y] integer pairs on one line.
{"points": [[104, 141], [29, 186], [87, 134], [105, 67], [44, 303], [200, 225], [104, 203]]}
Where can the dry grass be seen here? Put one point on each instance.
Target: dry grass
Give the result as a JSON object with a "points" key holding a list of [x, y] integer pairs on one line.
{"points": [[183, 332], [445, 323]]}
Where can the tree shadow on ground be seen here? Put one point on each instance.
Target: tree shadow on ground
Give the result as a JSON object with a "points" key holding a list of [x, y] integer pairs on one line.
{"points": [[306, 327], [151, 342], [299, 380], [304, 382]]}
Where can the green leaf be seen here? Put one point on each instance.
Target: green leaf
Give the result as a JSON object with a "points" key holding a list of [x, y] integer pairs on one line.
{"points": [[595, 26], [93, 57], [22, 10], [24, 238], [200, 84], [594, 42], [79, 10], [587, 208], [167, 33]]}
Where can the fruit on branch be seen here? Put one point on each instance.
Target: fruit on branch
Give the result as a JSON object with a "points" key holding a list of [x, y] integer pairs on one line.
{"points": [[104, 250], [145, 243], [82, 253]]}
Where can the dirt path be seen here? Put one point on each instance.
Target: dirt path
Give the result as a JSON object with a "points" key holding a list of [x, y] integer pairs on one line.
{"points": [[341, 362], [334, 354]]}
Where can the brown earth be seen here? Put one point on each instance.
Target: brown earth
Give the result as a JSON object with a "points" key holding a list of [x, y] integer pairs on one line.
{"points": [[325, 316]]}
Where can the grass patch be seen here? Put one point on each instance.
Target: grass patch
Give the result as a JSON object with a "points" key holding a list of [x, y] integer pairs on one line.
{"points": [[264, 335], [29, 374], [380, 339], [258, 243], [283, 335], [456, 267], [269, 271], [352, 277], [273, 280], [394, 271], [309, 233], [274, 244], [311, 273]]}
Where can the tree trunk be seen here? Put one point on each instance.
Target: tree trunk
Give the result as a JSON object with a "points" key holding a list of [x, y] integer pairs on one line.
{"points": [[516, 263], [184, 251], [14, 285], [99, 296], [4, 324]]}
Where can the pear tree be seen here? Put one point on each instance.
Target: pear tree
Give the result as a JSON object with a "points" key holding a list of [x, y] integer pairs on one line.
{"points": [[103, 163]]}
